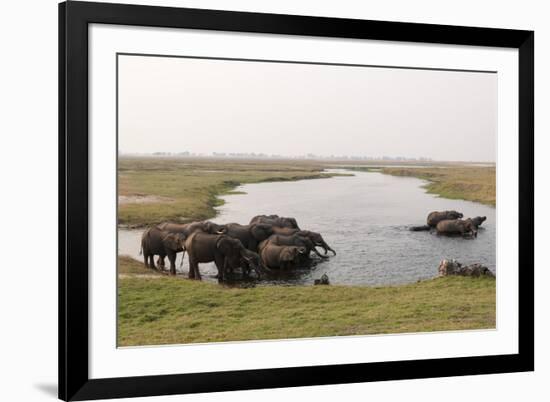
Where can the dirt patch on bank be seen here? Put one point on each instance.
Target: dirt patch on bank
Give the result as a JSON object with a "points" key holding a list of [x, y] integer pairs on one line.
{"points": [[142, 199]]}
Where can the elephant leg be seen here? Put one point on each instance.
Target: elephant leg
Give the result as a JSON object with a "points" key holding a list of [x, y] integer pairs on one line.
{"points": [[172, 259], [197, 272], [145, 257], [246, 268], [220, 262], [152, 261], [160, 262], [192, 268]]}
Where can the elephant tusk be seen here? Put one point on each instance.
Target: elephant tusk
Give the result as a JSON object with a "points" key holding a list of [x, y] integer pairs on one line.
{"points": [[182, 256], [319, 254]]}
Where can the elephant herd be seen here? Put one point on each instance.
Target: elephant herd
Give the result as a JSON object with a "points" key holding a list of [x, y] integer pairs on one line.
{"points": [[267, 244], [451, 223]]}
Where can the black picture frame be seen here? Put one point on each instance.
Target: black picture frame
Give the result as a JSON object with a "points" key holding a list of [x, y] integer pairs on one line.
{"points": [[74, 381]]}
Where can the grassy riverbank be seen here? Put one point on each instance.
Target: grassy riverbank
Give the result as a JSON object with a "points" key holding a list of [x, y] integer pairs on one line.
{"points": [[188, 189], [156, 309], [471, 183]]}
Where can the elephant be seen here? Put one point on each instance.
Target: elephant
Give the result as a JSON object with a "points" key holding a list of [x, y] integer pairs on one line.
{"points": [[188, 228], [456, 226], [285, 231], [292, 240], [283, 257], [315, 237], [249, 235], [435, 217], [245, 265], [276, 220], [158, 242], [477, 221], [317, 240], [225, 251]]}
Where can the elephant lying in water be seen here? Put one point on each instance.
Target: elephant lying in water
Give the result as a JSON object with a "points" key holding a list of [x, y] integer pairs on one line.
{"points": [[226, 252], [435, 217], [457, 227], [282, 257], [158, 242]]}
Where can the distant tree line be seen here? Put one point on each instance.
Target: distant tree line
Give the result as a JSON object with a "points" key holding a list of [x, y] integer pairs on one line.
{"points": [[260, 155]]}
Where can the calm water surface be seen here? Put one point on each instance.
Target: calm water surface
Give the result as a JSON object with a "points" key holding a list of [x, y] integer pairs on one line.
{"points": [[365, 218]]}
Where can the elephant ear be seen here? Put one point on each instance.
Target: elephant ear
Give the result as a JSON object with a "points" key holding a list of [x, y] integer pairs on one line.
{"points": [[171, 241], [181, 238], [285, 254], [259, 231], [226, 245], [208, 227], [289, 253]]}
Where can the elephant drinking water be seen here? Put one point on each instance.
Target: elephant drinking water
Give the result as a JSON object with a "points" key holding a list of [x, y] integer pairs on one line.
{"points": [[226, 252], [283, 257]]}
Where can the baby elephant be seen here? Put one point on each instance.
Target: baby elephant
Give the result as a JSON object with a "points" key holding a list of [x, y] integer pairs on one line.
{"points": [[158, 242], [283, 257], [457, 227]]}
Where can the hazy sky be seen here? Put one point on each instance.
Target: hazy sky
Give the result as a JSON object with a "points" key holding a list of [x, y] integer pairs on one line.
{"points": [[204, 106]]}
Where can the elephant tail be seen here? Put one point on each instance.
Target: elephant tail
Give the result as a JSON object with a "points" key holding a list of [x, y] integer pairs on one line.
{"points": [[419, 228]]}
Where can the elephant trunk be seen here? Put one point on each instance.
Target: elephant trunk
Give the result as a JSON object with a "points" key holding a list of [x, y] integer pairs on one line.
{"points": [[326, 247], [319, 254]]}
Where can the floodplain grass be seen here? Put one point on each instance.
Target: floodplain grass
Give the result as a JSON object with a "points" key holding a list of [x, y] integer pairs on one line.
{"points": [[190, 188], [470, 183], [156, 309]]}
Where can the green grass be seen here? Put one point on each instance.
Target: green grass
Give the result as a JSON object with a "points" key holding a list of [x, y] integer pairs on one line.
{"points": [[190, 188], [157, 309], [469, 183]]}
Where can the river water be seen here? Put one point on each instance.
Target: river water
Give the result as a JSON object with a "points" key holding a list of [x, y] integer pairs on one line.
{"points": [[365, 218]]}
